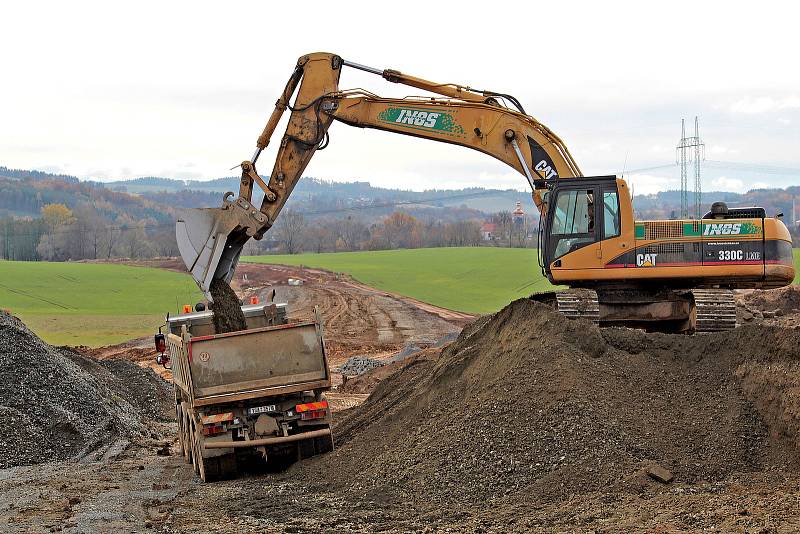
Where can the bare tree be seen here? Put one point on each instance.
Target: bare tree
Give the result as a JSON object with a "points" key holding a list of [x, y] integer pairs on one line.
{"points": [[289, 230], [505, 220], [349, 232], [320, 237]]}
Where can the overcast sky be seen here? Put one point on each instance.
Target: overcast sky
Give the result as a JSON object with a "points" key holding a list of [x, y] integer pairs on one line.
{"points": [[112, 90]]}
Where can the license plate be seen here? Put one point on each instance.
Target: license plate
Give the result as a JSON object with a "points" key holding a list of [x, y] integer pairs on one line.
{"points": [[261, 409]]}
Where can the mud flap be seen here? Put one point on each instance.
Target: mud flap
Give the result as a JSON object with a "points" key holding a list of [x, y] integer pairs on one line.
{"points": [[210, 240]]}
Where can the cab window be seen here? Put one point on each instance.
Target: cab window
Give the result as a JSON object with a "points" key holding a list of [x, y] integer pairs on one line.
{"points": [[573, 221], [610, 214]]}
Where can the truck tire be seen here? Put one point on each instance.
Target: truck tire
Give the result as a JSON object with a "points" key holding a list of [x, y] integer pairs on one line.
{"points": [[208, 469], [227, 466], [324, 444], [194, 456], [179, 420], [183, 429]]}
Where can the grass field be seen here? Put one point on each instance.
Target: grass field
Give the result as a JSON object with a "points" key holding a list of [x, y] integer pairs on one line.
{"points": [[471, 279], [476, 280], [796, 253], [91, 304], [96, 304]]}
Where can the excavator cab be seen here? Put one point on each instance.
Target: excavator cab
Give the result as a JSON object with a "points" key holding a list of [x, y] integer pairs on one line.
{"points": [[580, 214]]}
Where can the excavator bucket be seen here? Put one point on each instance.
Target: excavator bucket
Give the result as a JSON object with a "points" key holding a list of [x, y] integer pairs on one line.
{"points": [[210, 240]]}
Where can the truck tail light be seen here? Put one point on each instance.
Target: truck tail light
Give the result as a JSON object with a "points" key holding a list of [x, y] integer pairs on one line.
{"points": [[210, 430], [161, 343], [310, 406], [254, 300], [314, 414]]}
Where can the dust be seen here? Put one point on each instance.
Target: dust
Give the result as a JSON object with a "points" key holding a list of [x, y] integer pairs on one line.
{"points": [[228, 316]]}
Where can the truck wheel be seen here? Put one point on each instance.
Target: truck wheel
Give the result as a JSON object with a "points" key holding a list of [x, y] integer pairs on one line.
{"points": [[187, 438], [228, 468], [206, 468], [194, 456], [306, 449], [324, 444], [179, 420]]}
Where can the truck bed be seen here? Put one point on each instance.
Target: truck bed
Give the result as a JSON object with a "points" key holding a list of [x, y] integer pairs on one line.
{"points": [[257, 362]]}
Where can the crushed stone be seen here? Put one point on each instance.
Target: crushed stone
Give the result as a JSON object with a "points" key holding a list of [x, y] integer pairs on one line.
{"points": [[57, 404]]}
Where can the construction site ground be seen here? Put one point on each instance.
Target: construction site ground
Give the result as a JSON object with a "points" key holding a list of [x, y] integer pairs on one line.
{"points": [[525, 422]]}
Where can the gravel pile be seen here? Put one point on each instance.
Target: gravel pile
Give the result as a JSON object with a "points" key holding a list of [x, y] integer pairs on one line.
{"points": [[358, 365], [529, 407], [56, 404]]}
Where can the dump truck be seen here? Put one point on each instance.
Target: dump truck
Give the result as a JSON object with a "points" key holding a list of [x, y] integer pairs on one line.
{"points": [[255, 394]]}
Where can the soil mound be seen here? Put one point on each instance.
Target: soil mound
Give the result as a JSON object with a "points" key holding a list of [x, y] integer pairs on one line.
{"points": [[527, 405], [56, 404], [785, 300]]}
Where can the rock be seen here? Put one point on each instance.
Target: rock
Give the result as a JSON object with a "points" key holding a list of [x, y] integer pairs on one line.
{"points": [[658, 473], [747, 316], [358, 365], [768, 314]]}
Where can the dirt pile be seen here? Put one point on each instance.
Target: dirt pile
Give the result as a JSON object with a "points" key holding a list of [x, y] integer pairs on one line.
{"points": [[528, 406], [56, 404], [775, 306], [228, 316]]}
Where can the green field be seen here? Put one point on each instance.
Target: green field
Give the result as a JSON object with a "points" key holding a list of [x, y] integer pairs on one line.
{"points": [[796, 253], [476, 280], [96, 304], [470, 279], [91, 304]]}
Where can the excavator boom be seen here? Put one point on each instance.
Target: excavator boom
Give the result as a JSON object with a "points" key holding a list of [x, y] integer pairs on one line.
{"points": [[476, 119]]}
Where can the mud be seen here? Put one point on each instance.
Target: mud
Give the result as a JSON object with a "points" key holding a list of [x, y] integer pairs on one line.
{"points": [[359, 320], [228, 316]]}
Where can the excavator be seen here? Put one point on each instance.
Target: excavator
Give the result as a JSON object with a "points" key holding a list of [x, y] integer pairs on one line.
{"points": [[666, 275]]}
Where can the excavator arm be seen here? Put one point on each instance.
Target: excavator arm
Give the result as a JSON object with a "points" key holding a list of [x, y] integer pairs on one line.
{"points": [[211, 240]]}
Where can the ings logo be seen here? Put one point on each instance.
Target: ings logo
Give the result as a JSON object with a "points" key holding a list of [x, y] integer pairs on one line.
{"points": [[722, 229], [422, 119], [417, 118]]}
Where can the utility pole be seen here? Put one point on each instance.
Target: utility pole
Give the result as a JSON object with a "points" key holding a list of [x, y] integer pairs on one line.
{"points": [[690, 149], [698, 187]]}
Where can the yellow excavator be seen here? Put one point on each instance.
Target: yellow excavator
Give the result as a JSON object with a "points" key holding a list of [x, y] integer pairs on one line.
{"points": [[673, 275]]}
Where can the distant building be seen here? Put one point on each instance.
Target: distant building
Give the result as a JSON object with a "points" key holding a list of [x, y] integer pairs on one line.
{"points": [[518, 215], [489, 231]]}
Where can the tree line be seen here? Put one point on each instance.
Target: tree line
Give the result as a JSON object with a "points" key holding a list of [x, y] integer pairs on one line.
{"points": [[294, 233], [64, 234]]}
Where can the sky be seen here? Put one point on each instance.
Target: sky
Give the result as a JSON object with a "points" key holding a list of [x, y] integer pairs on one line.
{"points": [[110, 90]]}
